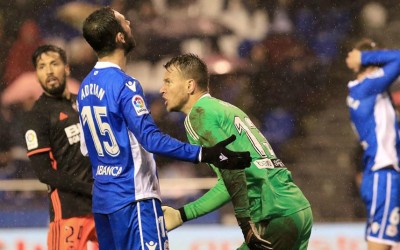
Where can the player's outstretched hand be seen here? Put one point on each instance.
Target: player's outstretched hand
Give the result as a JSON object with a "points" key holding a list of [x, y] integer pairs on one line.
{"points": [[252, 238], [224, 158], [172, 217]]}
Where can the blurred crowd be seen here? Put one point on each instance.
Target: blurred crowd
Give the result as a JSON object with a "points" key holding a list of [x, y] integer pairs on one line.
{"points": [[274, 59]]}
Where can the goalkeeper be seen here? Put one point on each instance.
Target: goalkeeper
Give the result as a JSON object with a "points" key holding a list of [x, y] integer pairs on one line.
{"points": [[281, 213]]}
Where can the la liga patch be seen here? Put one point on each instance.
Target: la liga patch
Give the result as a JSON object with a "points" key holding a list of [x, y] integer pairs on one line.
{"points": [[31, 139], [139, 105]]}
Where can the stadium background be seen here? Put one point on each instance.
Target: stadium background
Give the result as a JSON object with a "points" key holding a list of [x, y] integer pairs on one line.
{"points": [[282, 61]]}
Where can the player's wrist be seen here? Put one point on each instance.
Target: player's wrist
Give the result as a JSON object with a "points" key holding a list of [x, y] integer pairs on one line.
{"points": [[245, 225], [183, 214], [243, 221]]}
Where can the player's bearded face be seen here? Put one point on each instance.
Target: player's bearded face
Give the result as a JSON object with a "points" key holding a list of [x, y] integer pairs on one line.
{"points": [[130, 42], [55, 86], [52, 73]]}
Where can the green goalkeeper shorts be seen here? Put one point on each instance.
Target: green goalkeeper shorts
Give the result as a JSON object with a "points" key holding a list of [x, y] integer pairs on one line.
{"points": [[286, 233]]}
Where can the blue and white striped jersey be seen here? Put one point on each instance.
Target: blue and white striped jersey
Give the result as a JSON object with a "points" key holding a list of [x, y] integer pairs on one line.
{"points": [[120, 136], [372, 112]]}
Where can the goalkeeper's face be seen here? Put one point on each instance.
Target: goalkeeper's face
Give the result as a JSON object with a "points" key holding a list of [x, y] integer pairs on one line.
{"points": [[52, 73], [176, 90]]}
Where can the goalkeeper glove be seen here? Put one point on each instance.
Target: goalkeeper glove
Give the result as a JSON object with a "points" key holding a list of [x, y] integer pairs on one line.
{"points": [[173, 217], [251, 236], [223, 158]]}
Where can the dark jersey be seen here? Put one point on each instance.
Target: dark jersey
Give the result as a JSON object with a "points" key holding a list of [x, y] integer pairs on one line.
{"points": [[52, 131]]}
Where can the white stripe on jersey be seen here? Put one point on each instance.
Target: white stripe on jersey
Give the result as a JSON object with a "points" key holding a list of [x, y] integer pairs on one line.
{"points": [[157, 224], [145, 171], [190, 129], [374, 201], [140, 224], [385, 130], [387, 204]]}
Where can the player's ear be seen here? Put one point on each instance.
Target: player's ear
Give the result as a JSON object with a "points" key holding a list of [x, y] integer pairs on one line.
{"points": [[191, 86], [120, 37], [67, 70]]}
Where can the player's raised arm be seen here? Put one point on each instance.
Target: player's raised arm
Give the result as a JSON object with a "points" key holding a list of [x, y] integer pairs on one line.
{"points": [[142, 125], [223, 158]]}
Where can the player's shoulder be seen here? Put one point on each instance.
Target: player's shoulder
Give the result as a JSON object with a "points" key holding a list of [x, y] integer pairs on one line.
{"points": [[126, 81], [214, 105], [121, 76], [207, 101], [37, 116], [132, 83], [107, 71], [41, 105], [205, 107]]}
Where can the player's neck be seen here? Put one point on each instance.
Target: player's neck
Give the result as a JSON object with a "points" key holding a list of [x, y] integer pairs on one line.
{"points": [[192, 100], [66, 94], [117, 57]]}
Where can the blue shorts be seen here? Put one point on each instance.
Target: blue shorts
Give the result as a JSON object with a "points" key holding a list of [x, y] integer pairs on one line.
{"points": [[380, 191], [140, 225]]}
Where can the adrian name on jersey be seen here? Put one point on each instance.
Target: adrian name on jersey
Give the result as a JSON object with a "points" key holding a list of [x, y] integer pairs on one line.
{"points": [[92, 89]]}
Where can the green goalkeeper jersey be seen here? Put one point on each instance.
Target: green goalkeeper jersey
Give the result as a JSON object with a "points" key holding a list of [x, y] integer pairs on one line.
{"points": [[270, 188]]}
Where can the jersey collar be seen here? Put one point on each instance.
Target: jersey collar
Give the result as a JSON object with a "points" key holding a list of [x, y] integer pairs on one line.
{"points": [[205, 95], [102, 65]]}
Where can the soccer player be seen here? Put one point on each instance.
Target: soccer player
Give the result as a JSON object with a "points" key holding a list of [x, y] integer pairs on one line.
{"points": [[376, 124], [52, 140], [120, 137], [278, 207]]}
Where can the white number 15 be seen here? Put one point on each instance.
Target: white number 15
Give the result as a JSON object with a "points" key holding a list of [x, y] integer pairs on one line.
{"points": [[104, 128]]}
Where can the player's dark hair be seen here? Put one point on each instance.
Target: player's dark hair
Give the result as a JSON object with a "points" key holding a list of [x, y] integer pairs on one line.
{"points": [[191, 66], [45, 49], [100, 29], [367, 44]]}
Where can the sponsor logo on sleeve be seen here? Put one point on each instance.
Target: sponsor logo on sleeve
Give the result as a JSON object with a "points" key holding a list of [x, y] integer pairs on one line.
{"points": [[131, 85], [31, 139], [139, 105]]}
